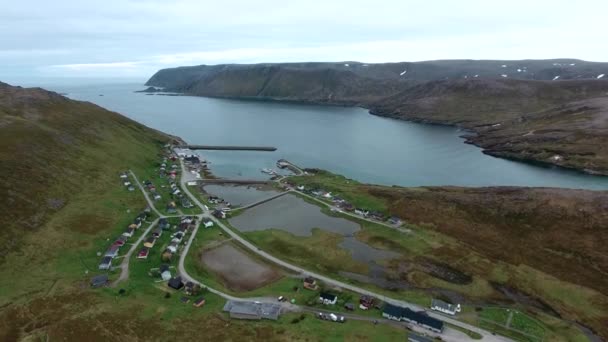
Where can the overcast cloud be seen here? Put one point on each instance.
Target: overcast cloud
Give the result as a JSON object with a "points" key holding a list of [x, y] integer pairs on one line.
{"points": [[133, 39]]}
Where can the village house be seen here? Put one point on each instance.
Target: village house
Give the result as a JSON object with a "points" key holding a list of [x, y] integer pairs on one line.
{"points": [[446, 308], [131, 188], [177, 237], [361, 212], [124, 175], [128, 232], [199, 302], [156, 233], [143, 253], [176, 283], [156, 196], [397, 313], [186, 203], [164, 224], [310, 283], [150, 241], [173, 247], [366, 302], [192, 159], [394, 220], [412, 337], [349, 306], [182, 228], [99, 281], [192, 289], [318, 192], [207, 223], [164, 271], [219, 214], [376, 215], [166, 256], [137, 222], [171, 208], [127, 183], [106, 263], [112, 252], [327, 298], [118, 243]]}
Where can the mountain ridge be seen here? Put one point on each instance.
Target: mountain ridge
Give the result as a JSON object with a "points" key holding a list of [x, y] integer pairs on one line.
{"points": [[499, 111]]}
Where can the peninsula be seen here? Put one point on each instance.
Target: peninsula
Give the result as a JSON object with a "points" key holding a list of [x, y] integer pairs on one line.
{"points": [[552, 112]]}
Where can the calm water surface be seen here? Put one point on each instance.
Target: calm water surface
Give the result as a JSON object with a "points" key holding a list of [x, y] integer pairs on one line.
{"points": [[239, 195], [291, 214], [348, 141]]}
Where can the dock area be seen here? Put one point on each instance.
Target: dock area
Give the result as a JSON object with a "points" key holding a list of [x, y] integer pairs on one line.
{"points": [[233, 181], [228, 148], [286, 164]]}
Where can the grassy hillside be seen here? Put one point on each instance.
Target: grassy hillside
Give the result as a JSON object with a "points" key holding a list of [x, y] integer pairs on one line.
{"points": [[563, 123], [59, 174], [63, 202], [56, 150], [541, 249]]}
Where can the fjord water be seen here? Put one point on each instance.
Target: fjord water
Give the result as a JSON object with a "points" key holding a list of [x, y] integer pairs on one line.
{"points": [[347, 141]]}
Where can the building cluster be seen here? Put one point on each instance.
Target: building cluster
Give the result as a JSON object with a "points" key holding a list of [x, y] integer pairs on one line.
{"points": [[113, 250], [124, 177], [189, 288], [252, 310], [342, 204], [420, 318]]}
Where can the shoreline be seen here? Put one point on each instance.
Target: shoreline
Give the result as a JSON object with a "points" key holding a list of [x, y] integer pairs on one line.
{"points": [[471, 135]]}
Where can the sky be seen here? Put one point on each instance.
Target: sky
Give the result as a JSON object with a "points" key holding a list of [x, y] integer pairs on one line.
{"points": [[132, 39]]}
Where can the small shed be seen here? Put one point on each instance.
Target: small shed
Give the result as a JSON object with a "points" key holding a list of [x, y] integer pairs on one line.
{"points": [[199, 302]]}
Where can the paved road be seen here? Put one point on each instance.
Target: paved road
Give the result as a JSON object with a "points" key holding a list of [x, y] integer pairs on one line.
{"points": [[124, 265], [487, 336]]}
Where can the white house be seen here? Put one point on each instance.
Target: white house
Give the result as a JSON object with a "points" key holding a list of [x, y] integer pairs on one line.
{"points": [[446, 308], [327, 298], [173, 247]]}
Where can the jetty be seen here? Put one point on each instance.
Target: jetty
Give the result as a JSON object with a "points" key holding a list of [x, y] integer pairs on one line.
{"points": [[228, 148], [286, 164], [233, 181]]}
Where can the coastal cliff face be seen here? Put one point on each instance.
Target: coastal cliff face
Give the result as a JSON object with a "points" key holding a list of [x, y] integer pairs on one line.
{"points": [[560, 123], [547, 111]]}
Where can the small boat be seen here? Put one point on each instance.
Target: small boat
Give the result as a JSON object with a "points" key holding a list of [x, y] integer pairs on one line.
{"points": [[268, 171]]}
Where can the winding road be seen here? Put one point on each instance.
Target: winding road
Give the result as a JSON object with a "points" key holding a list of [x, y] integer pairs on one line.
{"points": [[486, 336]]}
